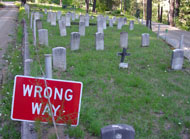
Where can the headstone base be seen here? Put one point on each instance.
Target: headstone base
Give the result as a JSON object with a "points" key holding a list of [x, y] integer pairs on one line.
{"points": [[123, 65]]}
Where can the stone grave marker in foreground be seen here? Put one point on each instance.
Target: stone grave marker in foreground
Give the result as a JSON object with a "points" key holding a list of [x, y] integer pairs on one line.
{"points": [[145, 41], [177, 59], [75, 40], [99, 41], [39, 24], [43, 37], [118, 131], [59, 58], [62, 28], [82, 28]]}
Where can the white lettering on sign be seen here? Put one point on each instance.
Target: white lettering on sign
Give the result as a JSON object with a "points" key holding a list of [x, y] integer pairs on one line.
{"points": [[47, 92], [37, 109]]}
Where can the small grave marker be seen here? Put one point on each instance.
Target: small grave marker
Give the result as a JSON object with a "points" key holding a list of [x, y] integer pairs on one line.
{"points": [[177, 59], [99, 41], [145, 40], [75, 40], [43, 37]]}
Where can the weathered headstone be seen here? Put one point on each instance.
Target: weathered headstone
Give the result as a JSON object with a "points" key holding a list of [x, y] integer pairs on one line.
{"points": [[87, 20], [45, 11], [62, 28], [63, 18], [131, 25], [49, 17], [119, 131], [53, 18], [181, 42], [123, 39], [82, 28], [100, 26], [177, 59], [34, 32], [31, 20], [43, 37], [125, 20], [114, 19], [68, 20], [82, 18], [104, 23], [59, 15], [77, 16], [99, 41], [107, 17], [111, 23], [36, 15], [39, 24], [59, 58], [73, 16], [75, 41], [120, 23], [145, 40]]}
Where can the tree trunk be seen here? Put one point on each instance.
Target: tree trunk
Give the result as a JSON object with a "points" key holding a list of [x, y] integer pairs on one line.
{"points": [[171, 14], [125, 8], [94, 6], [60, 3], [121, 5], [158, 11], [144, 10], [161, 14], [87, 5], [149, 13], [177, 4]]}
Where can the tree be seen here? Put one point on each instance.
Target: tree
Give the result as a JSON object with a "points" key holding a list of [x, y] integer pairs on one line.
{"points": [[171, 13], [87, 5], [149, 13], [60, 3], [177, 5], [94, 6]]}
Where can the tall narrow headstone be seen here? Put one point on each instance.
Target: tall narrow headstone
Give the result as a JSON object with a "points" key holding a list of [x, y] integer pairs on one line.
{"points": [[120, 23], [177, 59], [75, 41], [49, 17], [99, 41], [125, 20], [145, 40], [131, 25], [100, 26], [123, 39], [68, 20], [59, 58], [39, 24], [77, 16], [104, 23], [107, 17], [119, 131], [31, 20], [62, 28], [114, 19], [87, 20], [34, 32], [73, 16], [53, 18], [111, 23], [43, 37], [59, 15], [82, 18], [82, 28], [45, 11], [63, 18]]}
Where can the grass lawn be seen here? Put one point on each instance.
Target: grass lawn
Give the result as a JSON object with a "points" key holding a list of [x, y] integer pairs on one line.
{"points": [[148, 95]]}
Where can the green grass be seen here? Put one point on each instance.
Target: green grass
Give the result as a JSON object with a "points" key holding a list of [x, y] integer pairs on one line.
{"points": [[148, 95]]}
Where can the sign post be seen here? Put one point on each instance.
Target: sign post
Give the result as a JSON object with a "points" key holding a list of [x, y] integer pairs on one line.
{"points": [[30, 100]]}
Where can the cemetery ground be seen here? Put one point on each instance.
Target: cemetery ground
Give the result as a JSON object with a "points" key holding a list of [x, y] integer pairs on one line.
{"points": [[148, 95]]}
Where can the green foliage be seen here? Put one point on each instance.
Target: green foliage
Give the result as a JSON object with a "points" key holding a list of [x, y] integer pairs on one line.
{"points": [[1, 5], [76, 132]]}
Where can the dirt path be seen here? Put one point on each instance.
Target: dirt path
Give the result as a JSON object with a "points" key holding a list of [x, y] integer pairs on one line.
{"points": [[173, 36], [8, 17]]}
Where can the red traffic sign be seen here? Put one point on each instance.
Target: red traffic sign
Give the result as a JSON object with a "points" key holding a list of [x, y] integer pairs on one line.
{"points": [[31, 98]]}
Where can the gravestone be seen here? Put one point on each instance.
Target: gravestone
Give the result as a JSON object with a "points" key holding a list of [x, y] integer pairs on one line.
{"points": [[111, 23], [87, 20], [114, 19], [119, 131], [123, 39], [99, 41], [45, 11], [36, 15], [77, 16], [177, 59], [145, 40], [59, 58], [131, 25], [120, 23], [39, 24], [59, 15], [49, 17], [82, 18], [62, 28], [125, 20], [75, 41], [104, 23], [34, 32], [82, 28], [53, 18], [68, 20], [43, 37], [73, 16], [107, 17], [63, 18], [100, 26], [31, 20], [181, 42]]}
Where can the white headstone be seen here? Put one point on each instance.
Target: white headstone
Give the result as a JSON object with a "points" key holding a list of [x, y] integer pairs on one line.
{"points": [[73, 16], [62, 28], [45, 11], [82, 18], [145, 40], [31, 20], [77, 16], [124, 39], [131, 25], [87, 20], [59, 15], [120, 23], [181, 42], [99, 41], [100, 26], [39, 24], [111, 23], [104, 23], [49, 17], [68, 20], [75, 41], [53, 18], [177, 59], [59, 58], [82, 28], [43, 37], [36, 15]]}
